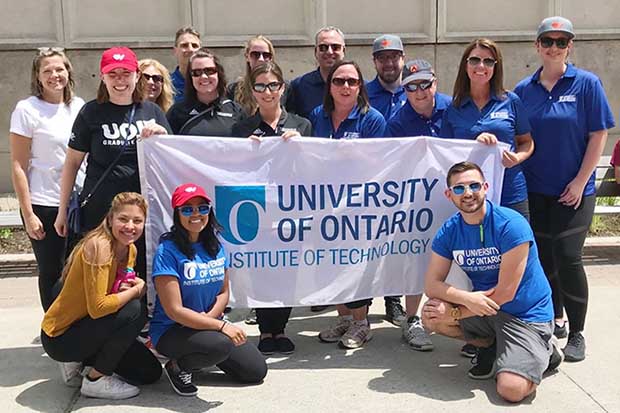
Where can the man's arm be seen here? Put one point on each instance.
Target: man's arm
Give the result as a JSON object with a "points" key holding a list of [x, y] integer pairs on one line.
{"points": [[511, 272]]}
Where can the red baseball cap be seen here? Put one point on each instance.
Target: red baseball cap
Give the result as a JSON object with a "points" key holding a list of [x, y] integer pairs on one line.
{"points": [[185, 192], [118, 57]]}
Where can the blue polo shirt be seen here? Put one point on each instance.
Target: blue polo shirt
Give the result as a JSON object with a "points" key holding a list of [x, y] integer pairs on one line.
{"points": [[561, 123], [407, 122], [178, 81], [357, 125], [478, 250], [308, 92], [505, 118], [383, 100]]}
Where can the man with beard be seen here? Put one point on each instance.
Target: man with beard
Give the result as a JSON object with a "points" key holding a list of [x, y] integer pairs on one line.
{"points": [[385, 92], [509, 313]]}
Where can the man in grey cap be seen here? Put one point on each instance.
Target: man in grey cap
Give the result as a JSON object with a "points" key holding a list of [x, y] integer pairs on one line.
{"points": [[385, 92]]}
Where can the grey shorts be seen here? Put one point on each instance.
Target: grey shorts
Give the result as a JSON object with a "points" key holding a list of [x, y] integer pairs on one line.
{"points": [[522, 348]]}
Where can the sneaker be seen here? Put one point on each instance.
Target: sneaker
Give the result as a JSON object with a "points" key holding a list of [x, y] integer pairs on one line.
{"points": [[415, 335], [469, 351], [560, 331], [557, 356], [575, 349], [394, 312], [71, 373], [267, 346], [357, 334], [108, 387], [285, 345], [250, 319], [484, 363], [336, 331], [180, 380]]}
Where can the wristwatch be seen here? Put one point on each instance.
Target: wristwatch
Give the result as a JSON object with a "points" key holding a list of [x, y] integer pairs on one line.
{"points": [[455, 312]]}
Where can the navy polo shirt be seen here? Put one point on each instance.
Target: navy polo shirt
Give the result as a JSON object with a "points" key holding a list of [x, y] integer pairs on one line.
{"points": [[383, 100], [561, 123], [407, 122], [308, 92], [178, 81], [505, 118], [357, 125]]}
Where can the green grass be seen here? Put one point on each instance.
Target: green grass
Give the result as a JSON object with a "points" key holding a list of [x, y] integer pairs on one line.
{"points": [[605, 225]]}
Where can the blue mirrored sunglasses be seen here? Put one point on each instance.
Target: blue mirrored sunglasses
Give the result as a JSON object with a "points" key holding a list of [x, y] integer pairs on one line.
{"points": [[461, 188], [188, 210]]}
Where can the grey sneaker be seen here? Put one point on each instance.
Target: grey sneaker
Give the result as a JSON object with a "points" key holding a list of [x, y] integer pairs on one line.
{"points": [[70, 373], [575, 349], [415, 335], [336, 331], [357, 334], [108, 387]]}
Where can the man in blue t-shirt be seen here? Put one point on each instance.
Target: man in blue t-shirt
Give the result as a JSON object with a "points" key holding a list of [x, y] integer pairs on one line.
{"points": [[509, 313], [186, 42]]}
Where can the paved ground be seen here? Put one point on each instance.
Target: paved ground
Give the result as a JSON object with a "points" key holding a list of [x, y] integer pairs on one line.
{"points": [[384, 376]]}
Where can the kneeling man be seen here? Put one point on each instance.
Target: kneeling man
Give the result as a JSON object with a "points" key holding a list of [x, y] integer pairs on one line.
{"points": [[509, 313]]}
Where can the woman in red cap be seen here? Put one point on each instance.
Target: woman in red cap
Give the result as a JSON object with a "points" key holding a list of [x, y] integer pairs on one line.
{"points": [[190, 272], [107, 129]]}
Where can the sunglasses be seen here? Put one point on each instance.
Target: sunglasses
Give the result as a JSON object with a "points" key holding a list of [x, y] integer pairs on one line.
{"points": [[475, 61], [412, 87], [340, 81], [261, 87], [323, 47], [188, 210], [154, 78], [460, 189], [209, 71], [257, 55], [547, 42], [48, 50]]}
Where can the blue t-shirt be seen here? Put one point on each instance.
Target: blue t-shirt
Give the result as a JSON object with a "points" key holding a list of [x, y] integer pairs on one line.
{"points": [[407, 122], [561, 123], [505, 118], [479, 256], [383, 100], [200, 281], [178, 81], [308, 92], [357, 125]]}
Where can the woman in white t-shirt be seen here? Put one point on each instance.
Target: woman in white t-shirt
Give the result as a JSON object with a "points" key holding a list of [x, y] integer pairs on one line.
{"points": [[39, 133]]}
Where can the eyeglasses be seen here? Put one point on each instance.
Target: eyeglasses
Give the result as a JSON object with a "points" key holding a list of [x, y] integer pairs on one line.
{"points": [[412, 87], [340, 81], [188, 210], [475, 61], [262, 87], [324, 47], [460, 189], [257, 55], [209, 71], [154, 78], [385, 57], [547, 42]]}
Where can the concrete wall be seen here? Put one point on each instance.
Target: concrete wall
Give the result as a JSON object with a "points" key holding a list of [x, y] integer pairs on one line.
{"points": [[432, 29]]}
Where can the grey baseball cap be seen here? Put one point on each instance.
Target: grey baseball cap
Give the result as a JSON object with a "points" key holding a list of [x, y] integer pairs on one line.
{"points": [[555, 24], [418, 69], [387, 42]]}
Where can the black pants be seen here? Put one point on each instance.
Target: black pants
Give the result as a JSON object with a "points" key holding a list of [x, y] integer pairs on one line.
{"points": [[272, 320], [49, 253], [359, 304], [196, 349], [560, 233], [108, 344], [522, 208]]}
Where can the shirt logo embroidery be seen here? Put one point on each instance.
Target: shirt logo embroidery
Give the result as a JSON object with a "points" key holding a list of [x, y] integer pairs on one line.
{"points": [[567, 98], [502, 114], [289, 129], [224, 114], [351, 135]]}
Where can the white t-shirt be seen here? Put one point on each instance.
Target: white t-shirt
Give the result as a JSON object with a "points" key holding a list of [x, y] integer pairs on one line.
{"points": [[49, 126]]}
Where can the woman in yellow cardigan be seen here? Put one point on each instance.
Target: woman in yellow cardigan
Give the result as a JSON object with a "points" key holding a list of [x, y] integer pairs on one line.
{"points": [[88, 324]]}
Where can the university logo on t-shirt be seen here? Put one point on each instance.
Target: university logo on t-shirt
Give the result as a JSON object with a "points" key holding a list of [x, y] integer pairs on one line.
{"points": [[500, 114], [351, 135], [567, 98], [198, 273], [115, 134], [478, 259]]}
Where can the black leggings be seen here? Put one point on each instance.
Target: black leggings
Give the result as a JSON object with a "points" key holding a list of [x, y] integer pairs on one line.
{"points": [[272, 320], [560, 233], [49, 253], [196, 349], [108, 344]]}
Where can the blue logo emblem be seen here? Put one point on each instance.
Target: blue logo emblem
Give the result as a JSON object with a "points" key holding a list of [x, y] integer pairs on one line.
{"points": [[238, 209]]}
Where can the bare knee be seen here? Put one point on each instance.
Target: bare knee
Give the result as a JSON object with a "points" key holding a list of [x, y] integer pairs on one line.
{"points": [[514, 388]]}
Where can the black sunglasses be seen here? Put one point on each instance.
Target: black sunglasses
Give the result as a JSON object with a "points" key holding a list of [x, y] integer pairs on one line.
{"points": [[547, 42], [340, 81], [209, 71], [475, 61], [412, 87], [261, 87], [257, 55], [323, 47], [154, 78]]}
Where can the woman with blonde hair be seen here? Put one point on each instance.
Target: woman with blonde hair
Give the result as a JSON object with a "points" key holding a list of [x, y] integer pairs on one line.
{"points": [[156, 83], [93, 324]]}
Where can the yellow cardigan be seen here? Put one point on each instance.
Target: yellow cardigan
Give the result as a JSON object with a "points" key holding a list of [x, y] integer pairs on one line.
{"points": [[85, 292]]}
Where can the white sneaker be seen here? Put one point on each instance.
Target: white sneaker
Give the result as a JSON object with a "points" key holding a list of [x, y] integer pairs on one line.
{"points": [[415, 335], [108, 387], [70, 373]]}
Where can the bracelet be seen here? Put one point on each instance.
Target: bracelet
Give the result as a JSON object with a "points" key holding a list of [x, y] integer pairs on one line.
{"points": [[224, 322]]}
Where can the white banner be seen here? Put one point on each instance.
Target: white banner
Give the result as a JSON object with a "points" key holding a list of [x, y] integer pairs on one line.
{"points": [[315, 221]]}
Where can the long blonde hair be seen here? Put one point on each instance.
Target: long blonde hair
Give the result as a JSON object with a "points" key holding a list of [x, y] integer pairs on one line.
{"points": [[166, 97], [243, 93], [103, 232]]}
